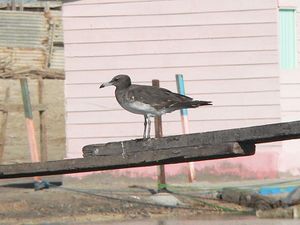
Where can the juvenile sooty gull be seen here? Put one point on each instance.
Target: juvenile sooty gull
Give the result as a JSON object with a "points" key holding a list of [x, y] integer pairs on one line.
{"points": [[149, 101]]}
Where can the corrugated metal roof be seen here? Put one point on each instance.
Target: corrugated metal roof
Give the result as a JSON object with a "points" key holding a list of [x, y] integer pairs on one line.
{"points": [[33, 4], [25, 41], [23, 29], [57, 58]]}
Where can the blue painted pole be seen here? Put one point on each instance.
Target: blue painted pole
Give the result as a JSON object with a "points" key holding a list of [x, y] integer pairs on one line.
{"points": [[185, 122], [181, 90]]}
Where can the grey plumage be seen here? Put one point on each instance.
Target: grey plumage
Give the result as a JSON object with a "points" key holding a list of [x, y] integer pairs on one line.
{"points": [[149, 101]]}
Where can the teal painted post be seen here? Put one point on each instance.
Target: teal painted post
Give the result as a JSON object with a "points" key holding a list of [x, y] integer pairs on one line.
{"points": [[26, 98], [181, 90]]}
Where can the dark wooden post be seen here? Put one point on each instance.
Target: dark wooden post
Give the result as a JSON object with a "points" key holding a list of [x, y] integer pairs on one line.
{"points": [[4, 124], [13, 5], [21, 6], [43, 129], [158, 133]]}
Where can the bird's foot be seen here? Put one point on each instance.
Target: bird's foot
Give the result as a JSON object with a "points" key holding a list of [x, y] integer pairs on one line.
{"points": [[146, 137]]}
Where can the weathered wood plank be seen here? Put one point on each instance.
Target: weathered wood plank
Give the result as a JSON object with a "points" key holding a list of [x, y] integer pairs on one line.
{"points": [[166, 150], [255, 134], [43, 127], [4, 125], [128, 159]]}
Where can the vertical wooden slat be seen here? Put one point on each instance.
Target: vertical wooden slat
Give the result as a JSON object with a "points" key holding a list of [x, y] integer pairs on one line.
{"points": [[43, 128], [4, 125], [158, 133], [13, 5], [21, 6]]}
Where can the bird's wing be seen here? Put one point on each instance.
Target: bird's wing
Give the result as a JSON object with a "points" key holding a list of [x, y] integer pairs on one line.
{"points": [[159, 98]]}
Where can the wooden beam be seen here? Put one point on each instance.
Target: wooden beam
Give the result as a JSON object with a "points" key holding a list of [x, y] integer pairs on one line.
{"points": [[166, 150], [127, 160], [20, 108], [255, 135], [43, 127], [4, 125], [18, 73]]}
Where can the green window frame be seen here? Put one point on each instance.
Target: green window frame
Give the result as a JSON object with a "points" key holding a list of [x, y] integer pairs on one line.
{"points": [[287, 36]]}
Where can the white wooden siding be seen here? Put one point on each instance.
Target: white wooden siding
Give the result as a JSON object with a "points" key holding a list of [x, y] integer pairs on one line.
{"points": [[290, 100], [290, 111], [290, 82], [298, 31], [158, 7], [226, 49], [169, 20]]}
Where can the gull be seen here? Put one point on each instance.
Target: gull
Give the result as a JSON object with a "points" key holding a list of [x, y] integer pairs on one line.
{"points": [[149, 101]]}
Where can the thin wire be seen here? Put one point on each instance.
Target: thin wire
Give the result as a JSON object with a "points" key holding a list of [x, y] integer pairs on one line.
{"points": [[225, 209], [199, 196]]}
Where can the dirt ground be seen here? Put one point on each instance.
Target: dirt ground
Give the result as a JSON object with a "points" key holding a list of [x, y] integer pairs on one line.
{"points": [[100, 198]]}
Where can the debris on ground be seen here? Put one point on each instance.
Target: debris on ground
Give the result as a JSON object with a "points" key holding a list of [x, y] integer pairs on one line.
{"points": [[247, 198], [265, 206]]}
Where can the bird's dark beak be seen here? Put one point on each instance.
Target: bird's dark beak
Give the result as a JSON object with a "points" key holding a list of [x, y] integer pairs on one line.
{"points": [[105, 84]]}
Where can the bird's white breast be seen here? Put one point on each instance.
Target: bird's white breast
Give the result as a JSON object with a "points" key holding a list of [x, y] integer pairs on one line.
{"points": [[141, 108]]}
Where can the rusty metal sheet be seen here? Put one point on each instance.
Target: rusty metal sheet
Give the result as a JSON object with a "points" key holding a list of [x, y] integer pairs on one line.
{"points": [[27, 42], [57, 58], [23, 29]]}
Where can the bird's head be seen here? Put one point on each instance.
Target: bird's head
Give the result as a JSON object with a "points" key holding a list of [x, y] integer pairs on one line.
{"points": [[118, 81]]}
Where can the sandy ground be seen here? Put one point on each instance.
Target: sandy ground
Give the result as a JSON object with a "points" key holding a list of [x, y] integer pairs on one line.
{"points": [[101, 198]]}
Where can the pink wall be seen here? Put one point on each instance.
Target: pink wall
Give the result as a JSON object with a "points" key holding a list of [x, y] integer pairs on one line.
{"points": [[226, 49]]}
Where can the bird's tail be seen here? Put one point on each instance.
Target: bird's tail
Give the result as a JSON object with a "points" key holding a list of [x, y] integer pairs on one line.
{"points": [[196, 103]]}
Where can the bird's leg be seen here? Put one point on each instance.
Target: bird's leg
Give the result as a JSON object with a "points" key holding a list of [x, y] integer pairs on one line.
{"points": [[145, 127], [149, 127]]}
